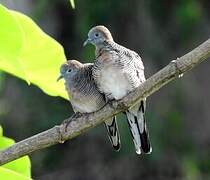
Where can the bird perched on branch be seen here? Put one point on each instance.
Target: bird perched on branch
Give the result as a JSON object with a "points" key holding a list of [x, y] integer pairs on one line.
{"points": [[117, 71], [84, 95]]}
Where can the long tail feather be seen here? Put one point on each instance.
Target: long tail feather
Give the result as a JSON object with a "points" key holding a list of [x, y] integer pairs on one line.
{"points": [[138, 128], [113, 133], [134, 131]]}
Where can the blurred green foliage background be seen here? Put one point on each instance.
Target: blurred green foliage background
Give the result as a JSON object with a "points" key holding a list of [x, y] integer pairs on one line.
{"points": [[178, 115]]}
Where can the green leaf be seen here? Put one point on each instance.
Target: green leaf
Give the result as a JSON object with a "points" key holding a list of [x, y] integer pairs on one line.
{"points": [[72, 4], [17, 169], [8, 174], [29, 53], [11, 38]]}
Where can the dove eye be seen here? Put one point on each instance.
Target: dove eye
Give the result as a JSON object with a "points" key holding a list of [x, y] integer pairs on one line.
{"points": [[96, 34], [69, 70]]}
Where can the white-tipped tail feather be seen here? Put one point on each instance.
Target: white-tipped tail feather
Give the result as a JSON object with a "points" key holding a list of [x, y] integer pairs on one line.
{"points": [[113, 133], [138, 129]]}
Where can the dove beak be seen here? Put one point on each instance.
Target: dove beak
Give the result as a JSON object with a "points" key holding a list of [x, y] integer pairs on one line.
{"points": [[59, 78], [87, 42]]}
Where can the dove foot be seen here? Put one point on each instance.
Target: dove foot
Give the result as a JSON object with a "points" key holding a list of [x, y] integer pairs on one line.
{"points": [[66, 122]]}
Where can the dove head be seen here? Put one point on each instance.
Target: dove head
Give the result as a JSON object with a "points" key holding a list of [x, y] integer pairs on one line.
{"points": [[98, 35], [69, 69]]}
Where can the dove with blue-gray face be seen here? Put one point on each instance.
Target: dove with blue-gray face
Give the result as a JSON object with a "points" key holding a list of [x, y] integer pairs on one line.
{"points": [[84, 95], [117, 71]]}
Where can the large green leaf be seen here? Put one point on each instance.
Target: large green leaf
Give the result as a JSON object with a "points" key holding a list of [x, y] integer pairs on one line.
{"points": [[29, 53], [7, 174], [11, 38], [18, 169]]}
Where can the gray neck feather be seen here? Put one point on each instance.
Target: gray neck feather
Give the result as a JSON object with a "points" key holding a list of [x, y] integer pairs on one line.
{"points": [[106, 45], [81, 79]]}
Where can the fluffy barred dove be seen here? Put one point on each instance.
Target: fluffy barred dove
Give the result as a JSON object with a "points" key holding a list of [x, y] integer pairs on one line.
{"points": [[117, 71], [84, 95]]}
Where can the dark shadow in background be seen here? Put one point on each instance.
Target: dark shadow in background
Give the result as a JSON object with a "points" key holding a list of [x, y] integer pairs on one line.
{"points": [[178, 115]]}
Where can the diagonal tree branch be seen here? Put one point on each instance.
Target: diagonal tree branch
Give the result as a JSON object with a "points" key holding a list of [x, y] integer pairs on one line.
{"points": [[81, 123]]}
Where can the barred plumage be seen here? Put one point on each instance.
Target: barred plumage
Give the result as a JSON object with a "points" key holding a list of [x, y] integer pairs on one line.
{"points": [[117, 71], [84, 95]]}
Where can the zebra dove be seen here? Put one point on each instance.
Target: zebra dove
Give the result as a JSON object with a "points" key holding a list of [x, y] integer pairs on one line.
{"points": [[118, 71], [84, 95]]}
